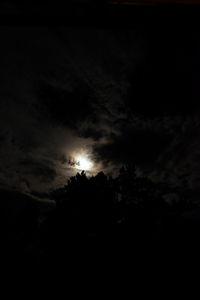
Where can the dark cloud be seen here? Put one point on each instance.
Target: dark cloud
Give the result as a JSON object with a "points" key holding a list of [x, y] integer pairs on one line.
{"points": [[92, 132], [68, 108], [141, 148], [41, 170], [165, 82]]}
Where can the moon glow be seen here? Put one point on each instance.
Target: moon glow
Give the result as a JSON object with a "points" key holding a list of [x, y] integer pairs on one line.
{"points": [[84, 163], [81, 162]]}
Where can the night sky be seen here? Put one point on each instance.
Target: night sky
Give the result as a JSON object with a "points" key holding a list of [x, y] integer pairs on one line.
{"points": [[112, 94]]}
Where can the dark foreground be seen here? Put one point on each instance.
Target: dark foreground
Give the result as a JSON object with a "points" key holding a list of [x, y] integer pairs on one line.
{"points": [[97, 232]]}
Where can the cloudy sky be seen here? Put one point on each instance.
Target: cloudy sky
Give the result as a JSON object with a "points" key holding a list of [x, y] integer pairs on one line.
{"points": [[111, 94]]}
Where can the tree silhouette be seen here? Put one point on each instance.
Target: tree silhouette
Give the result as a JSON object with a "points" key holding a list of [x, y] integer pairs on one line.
{"points": [[94, 205], [102, 212]]}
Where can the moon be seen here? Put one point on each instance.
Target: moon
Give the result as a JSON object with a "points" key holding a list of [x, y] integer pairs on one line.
{"points": [[83, 163]]}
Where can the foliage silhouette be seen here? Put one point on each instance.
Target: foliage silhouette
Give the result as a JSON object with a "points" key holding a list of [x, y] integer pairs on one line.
{"points": [[128, 206], [102, 216]]}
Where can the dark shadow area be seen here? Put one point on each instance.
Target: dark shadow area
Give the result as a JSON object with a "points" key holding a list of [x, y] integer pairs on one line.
{"points": [[99, 222]]}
